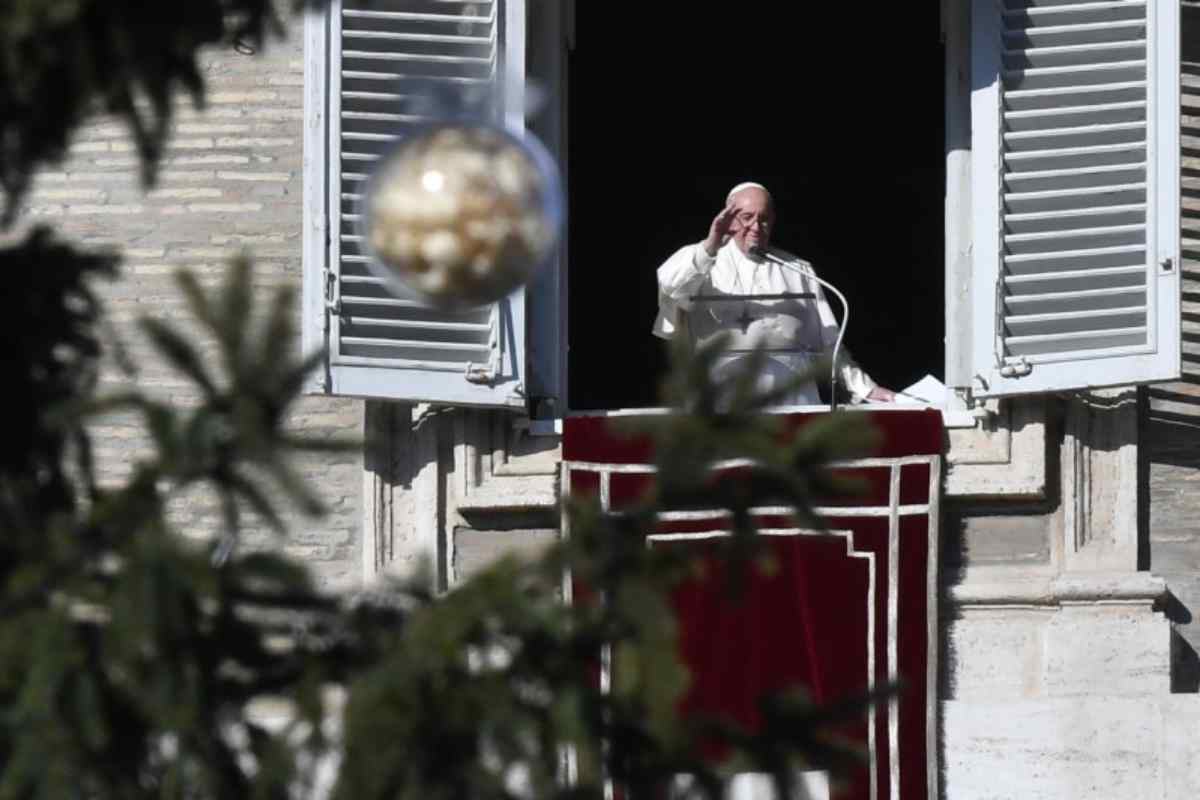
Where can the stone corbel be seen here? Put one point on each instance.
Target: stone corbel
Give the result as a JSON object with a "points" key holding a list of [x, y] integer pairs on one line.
{"points": [[1100, 483], [1006, 459], [500, 467], [403, 495]]}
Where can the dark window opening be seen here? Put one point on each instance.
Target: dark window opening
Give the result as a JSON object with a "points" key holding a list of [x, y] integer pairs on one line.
{"points": [[839, 111]]}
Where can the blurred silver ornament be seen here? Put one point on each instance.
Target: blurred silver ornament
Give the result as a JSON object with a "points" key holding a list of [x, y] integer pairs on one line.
{"points": [[461, 212]]}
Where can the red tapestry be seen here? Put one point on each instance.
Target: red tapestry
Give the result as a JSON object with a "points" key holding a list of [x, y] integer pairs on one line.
{"points": [[847, 608]]}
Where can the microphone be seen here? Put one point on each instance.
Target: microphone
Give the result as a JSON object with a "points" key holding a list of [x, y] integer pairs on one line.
{"points": [[837, 345]]}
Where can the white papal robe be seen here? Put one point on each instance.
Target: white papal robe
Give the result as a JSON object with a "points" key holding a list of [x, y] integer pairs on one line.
{"points": [[795, 332]]}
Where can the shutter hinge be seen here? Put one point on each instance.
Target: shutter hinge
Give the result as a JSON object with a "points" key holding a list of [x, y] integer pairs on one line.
{"points": [[333, 300], [998, 321], [1018, 369], [1007, 369], [325, 381], [479, 373], [487, 373]]}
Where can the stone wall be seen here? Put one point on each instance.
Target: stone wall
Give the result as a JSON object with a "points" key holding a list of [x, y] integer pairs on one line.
{"points": [[457, 488], [231, 181]]}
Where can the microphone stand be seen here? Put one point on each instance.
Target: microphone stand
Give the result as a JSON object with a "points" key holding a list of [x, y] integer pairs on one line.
{"points": [[837, 345]]}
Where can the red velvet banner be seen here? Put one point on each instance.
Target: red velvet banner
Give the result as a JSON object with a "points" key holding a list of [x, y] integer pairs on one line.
{"points": [[847, 608]]}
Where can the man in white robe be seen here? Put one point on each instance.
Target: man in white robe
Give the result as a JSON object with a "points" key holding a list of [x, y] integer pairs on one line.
{"points": [[735, 260]]}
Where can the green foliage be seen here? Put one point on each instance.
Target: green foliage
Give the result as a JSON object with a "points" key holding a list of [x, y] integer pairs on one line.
{"points": [[132, 658], [63, 60], [129, 656], [48, 348]]}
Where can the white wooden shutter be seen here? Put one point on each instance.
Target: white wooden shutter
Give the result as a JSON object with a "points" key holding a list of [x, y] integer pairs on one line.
{"points": [[1075, 161], [373, 53]]}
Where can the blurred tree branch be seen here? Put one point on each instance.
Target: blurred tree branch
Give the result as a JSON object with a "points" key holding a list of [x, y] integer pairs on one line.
{"points": [[132, 657]]}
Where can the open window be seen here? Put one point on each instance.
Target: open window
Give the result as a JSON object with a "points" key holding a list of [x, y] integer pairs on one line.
{"points": [[1065, 216], [836, 110]]}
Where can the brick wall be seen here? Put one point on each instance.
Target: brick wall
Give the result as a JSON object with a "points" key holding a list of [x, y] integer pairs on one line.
{"points": [[231, 181]]}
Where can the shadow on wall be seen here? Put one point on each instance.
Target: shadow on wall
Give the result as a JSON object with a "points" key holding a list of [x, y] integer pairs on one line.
{"points": [[1185, 663], [1170, 435]]}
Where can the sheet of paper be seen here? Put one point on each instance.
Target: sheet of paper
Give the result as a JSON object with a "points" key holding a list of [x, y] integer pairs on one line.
{"points": [[928, 391]]}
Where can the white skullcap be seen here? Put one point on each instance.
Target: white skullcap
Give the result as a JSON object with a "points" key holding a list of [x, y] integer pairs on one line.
{"points": [[743, 185]]}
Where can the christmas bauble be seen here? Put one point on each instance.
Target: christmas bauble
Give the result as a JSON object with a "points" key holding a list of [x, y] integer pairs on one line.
{"points": [[461, 213]]}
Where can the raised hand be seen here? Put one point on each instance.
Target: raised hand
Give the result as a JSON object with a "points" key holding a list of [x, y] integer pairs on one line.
{"points": [[720, 229]]}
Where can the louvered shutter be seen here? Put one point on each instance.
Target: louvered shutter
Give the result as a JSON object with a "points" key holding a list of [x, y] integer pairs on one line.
{"points": [[1075, 160], [375, 53]]}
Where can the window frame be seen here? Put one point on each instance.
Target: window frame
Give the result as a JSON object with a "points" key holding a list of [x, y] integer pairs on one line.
{"points": [[540, 340], [973, 267], [511, 388]]}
